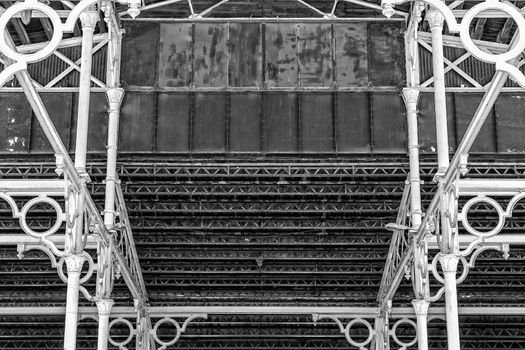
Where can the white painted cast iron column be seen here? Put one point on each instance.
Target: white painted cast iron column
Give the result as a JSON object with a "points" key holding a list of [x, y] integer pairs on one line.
{"points": [[114, 96], [411, 97], [74, 267], [104, 310], [449, 264], [435, 20], [421, 311], [89, 20]]}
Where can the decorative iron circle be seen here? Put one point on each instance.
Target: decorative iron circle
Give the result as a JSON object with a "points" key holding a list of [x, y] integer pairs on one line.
{"points": [[467, 41], [39, 55], [495, 205], [352, 341], [130, 336], [396, 339], [31, 203]]}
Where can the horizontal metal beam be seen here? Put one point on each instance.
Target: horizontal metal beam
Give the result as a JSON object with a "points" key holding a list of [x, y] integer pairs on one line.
{"points": [[32, 187], [14, 239], [493, 187], [76, 41], [486, 13], [182, 311], [38, 14], [454, 41], [264, 19], [465, 240]]}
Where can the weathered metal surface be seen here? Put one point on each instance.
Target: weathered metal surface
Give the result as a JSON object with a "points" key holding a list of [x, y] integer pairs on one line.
{"points": [[175, 54], [386, 58], [15, 119], [211, 55], [510, 122], [245, 122], [465, 107], [281, 122], [173, 122], [314, 55], [139, 50], [281, 54], [245, 54], [209, 123], [316, 125], [60, 108], [138, 117], [427, 122], [351, 52], [353, 122], [388, 123]]}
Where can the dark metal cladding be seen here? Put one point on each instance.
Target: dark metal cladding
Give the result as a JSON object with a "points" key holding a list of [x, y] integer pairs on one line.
{"points": [[210, 55], [245, 55], [351, 54], [175, 54]]}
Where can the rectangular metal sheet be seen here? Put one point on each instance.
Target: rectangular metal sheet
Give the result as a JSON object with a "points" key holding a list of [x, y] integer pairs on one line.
{"points": [[386, 54], [465, 106], [317, 127], [139, 52], [210, 66], [245, 120], [281, 54], [351, 52], [280, 110], [15, 123], [98, 122], [59, 106], [209, 122], [315, 54], [389, 125], [510, 122], [137, 122], [175, 54], [245, 54], [173, 127], [353, 122], [427, 122]]}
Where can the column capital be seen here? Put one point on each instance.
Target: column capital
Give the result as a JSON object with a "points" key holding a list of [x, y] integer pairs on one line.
{"points": [[435, 19], [115, 96], [420, 307], [104, 306], [411, 96], [449, 263], [89, 20], [74, 263]]}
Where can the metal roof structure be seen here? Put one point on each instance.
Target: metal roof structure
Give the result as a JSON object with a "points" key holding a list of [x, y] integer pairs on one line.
{"points": [[291, 174]]}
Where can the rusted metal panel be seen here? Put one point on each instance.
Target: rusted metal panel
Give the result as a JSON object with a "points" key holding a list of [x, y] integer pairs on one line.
{"points": [[98, 122], [15, 123], [386, 55], [175, 57], [427, 122], [210, 66], [353, 122], [59, 106], [315, 54], [388, 122], [245, 50], [281, 54], [139, 52], [351, 50], [510, 122], [280, 110], [245, 121], [466, 105], [137, 122], [317, 129], [209, 122], [173, 122]]}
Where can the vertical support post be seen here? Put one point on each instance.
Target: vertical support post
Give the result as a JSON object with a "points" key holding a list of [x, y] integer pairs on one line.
{"points": [[74, 267], [115, 96], [104, 310], [89, 20], [421, 311], [449, 264], [435, 20]]}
